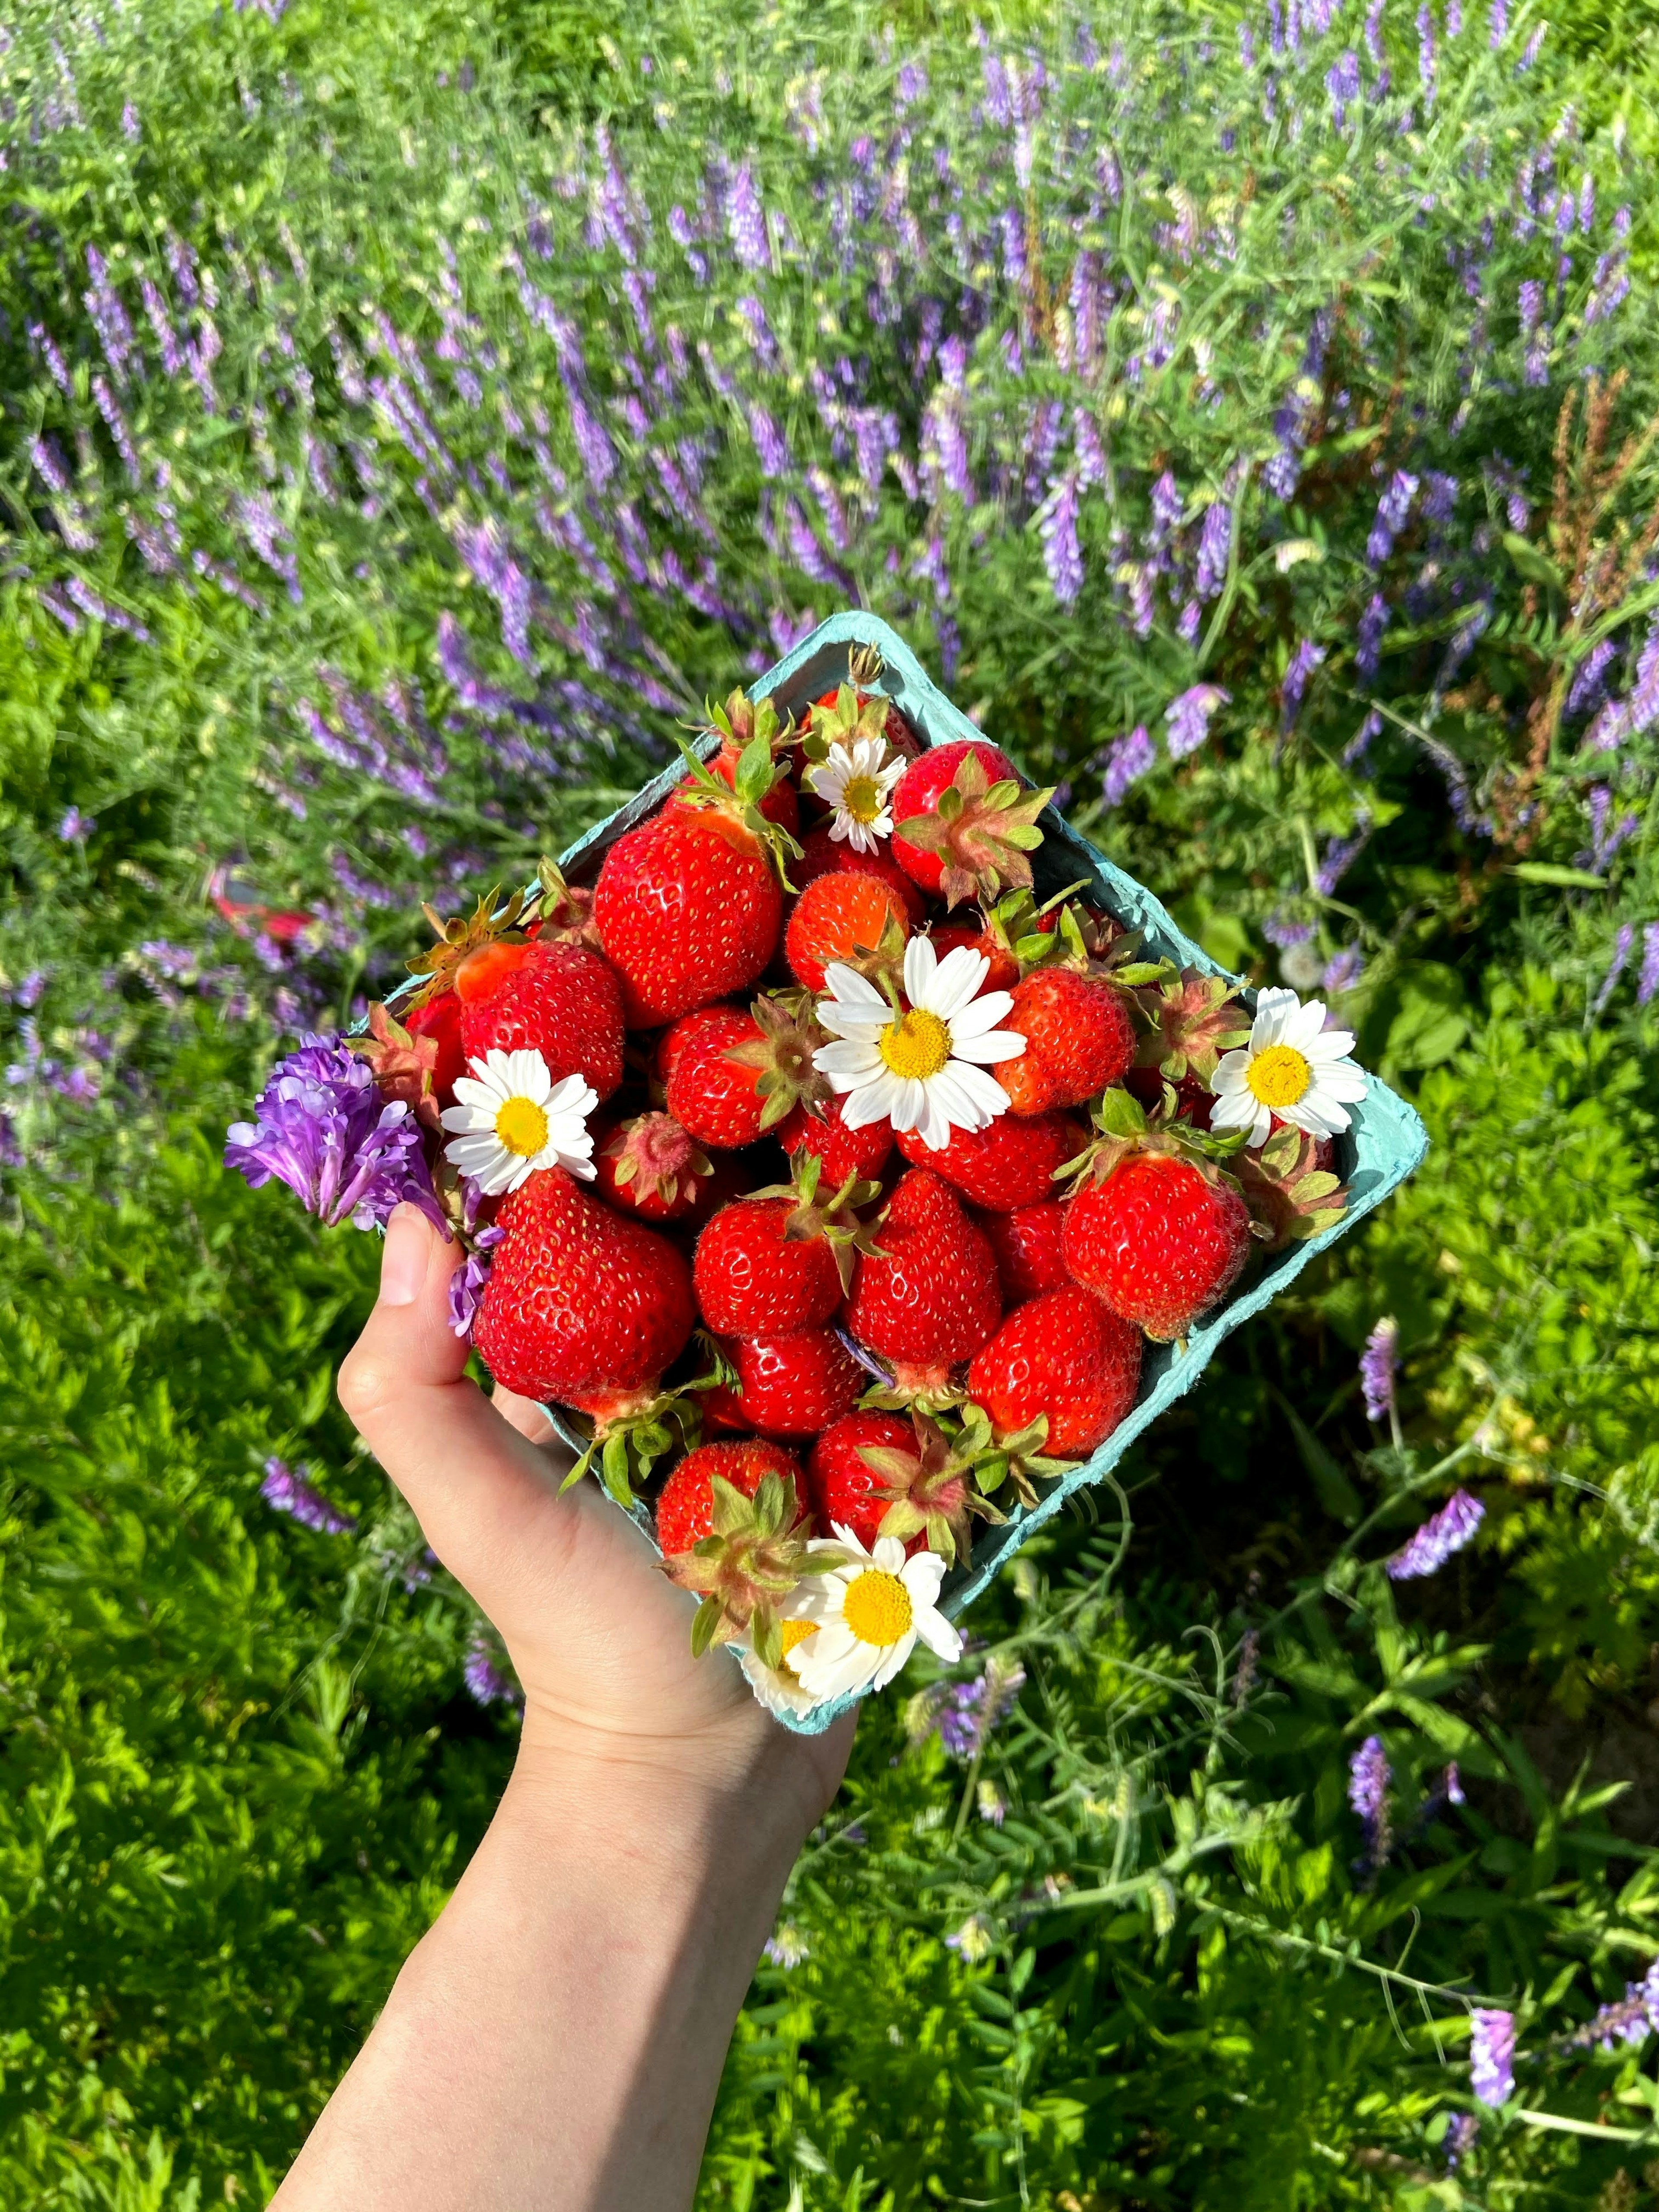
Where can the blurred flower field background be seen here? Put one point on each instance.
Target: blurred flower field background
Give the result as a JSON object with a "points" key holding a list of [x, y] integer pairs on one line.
{"points": [[408, 416]]}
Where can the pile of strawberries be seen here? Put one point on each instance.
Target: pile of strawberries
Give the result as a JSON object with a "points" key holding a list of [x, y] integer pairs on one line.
{"points": [[754, 1285]]}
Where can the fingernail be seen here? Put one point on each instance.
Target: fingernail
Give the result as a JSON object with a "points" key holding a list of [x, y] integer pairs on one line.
{"points": [[403, 1263]]}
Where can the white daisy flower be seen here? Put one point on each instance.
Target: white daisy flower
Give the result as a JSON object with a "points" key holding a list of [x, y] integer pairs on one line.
{"points": [[779, 1688], [869, 1611], [923, 1069], [1292, 1066], [857, 780], [512, 1118]]}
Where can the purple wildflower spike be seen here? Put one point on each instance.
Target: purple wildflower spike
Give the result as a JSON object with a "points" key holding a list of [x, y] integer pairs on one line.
{"points": [[1443, 1533], [291, 1491], [1189, 717], [1378, 1364], [1127, 759], [1492, 2055]]}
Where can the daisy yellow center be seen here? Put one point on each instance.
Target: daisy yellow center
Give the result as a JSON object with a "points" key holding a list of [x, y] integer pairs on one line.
{"points": [[918, 1044], [791, 1632], [521, 1126], [1278, 1076], [861, 798], [877, 1609]]}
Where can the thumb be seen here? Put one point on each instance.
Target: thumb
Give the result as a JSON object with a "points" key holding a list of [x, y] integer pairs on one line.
{"points": [[477, 1485]]}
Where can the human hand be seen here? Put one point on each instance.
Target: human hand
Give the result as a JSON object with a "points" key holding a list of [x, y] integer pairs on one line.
{"points": [[600, 1639]]}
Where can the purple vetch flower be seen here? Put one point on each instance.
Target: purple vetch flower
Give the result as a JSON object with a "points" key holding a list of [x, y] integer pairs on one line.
{"points": [[1379, 1363], [1464, 2128], [1287, 930], [1342, 84], [943, 439], [30, 992], [49, 462], [1440, 1535], [104, 399], [1492, 2055], [1368, 652], [485, 1673], [320, 1127], [1616, 966], [1647, 984], [131, 128], [1354, 752], [771, 445], [49, 351], [1590, 678], [1368, 1777], [94, 604], [109, 317], [1392, 510], [1214, 549], [1089, 453], [745, 221], [467, 1284], [966, 1714], [1127, 759], [1374, 31], [1339, 856], [1189, 717], [1062, 555], [1342, 971], [75, 828], [1307, 657], [1533, 47], [270, 537], [291, 1491], [1631, 2019], [1426, 59]]}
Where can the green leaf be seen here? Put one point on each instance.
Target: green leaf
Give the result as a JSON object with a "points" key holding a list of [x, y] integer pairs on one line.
{"points": [[1546, 872]]}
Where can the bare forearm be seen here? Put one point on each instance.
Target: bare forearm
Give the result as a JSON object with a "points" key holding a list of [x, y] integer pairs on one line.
{"points": [[556, 2040]]}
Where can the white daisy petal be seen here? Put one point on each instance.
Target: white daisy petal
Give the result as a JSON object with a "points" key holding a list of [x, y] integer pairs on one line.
{"points": [[921, 967], [955, 983], [937, 1633], [894, 1661], [471, 1092], [984, 1014], [1230, 1070], [1263, 1129], [1329, 1045], [1236, 1110], [990, 1050], [888, 1553], [1304, 1025], [853, 989], [869, 1103], [1347, 1081]]}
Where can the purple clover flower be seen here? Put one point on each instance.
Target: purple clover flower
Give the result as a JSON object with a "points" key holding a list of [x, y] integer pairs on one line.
{"points": [[1492, 2055], [1379, 1364], [1062, 555], [75, 828], [321, 1128], [467, 1284], [1127, 759], [1189, 717], [1342, 971], [1443, 1533], [291, 1491]]}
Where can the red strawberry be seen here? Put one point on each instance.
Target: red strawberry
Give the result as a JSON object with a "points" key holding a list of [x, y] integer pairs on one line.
{"points": [[843, 1486], [738, 723], [560, 1001], [994, 933], [821, 854], [579, 1300], [794, 1385], [1078, 1038], [843, 1151], [930, 1298], [440, 1017], [1027, 1245], [687, 907], [842, 916], [685, 1511], [649, 1167], [753, 1280], [969, 823], [1011, 1163], [783, 1260], [714, 1098], [1158, 1239], [1064, 1356]]}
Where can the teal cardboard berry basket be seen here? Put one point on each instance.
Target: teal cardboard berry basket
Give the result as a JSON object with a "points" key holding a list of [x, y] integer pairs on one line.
{"points": [[1384, 1143]]}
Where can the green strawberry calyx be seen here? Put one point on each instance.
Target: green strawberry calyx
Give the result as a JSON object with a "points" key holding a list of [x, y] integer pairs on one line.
{"points": [[789, 1036], [756, 1556], [981, 832]]}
